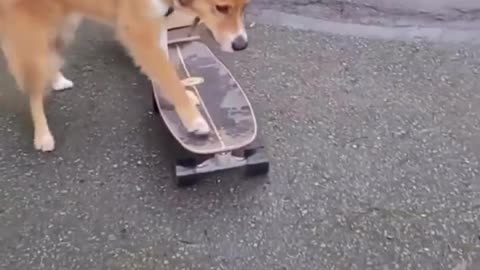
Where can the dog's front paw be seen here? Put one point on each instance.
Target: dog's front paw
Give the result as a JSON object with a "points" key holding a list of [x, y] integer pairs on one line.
{"points": [[61, 83], [44, 142], [199, 127]]}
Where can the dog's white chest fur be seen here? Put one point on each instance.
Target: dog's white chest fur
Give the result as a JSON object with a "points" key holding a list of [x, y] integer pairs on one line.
{"points": [[159, 8]]}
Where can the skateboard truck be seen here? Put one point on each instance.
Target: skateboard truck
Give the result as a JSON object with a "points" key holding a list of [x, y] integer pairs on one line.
{"points": [[252, 159]]}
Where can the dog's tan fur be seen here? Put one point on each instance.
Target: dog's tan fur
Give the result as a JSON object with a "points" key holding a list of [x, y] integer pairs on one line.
{"points": [[35, 32]]}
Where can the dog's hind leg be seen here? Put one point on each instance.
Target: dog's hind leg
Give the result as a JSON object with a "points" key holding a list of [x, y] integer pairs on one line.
{"points": [[65, 36], [30, 57]]}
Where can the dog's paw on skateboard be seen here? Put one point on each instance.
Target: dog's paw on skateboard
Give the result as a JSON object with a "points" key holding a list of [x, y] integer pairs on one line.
{"points": [[199, 127]]}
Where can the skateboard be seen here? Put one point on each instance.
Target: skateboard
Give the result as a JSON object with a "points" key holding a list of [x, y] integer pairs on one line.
{"points": [[233, 141]]}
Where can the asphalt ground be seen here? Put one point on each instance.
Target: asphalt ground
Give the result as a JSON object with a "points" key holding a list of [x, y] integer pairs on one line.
{"points": [[374, 147], [460, 14]]}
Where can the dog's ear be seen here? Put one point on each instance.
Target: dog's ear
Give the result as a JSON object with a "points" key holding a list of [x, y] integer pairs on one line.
{"points": [[185, 2]]}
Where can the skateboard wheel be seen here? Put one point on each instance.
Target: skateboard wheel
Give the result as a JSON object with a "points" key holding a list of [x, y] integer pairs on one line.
{"points": [[258, 169], [185, 172], [257, 163]]}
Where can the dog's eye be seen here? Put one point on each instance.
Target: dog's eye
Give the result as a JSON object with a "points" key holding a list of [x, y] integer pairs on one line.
{"points": [[223, 9]]}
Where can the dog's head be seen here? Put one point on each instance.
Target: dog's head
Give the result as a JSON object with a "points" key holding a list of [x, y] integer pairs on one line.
{"points": [[224, 18]]}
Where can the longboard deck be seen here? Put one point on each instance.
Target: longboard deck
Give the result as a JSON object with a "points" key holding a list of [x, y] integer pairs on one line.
{"points": [[223, 103]]}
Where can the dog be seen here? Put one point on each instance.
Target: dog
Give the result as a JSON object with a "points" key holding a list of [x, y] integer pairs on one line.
{"points": [[35, 33]]}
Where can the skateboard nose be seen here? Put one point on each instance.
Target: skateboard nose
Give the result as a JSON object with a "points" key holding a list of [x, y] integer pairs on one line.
{"points": [[239, 43]]}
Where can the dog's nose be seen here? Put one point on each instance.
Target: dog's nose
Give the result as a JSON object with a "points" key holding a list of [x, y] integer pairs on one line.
{"points": [[239, 43]]}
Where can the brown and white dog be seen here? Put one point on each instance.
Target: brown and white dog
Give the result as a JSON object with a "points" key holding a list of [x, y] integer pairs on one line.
{"points": [[34, 33]]}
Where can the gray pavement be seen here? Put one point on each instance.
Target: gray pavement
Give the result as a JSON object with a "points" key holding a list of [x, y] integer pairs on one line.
{"points": [[464, 14], [375, 164]]}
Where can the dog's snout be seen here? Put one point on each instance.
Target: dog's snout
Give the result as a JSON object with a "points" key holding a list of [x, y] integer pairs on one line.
{"points": [[239, 43]]}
